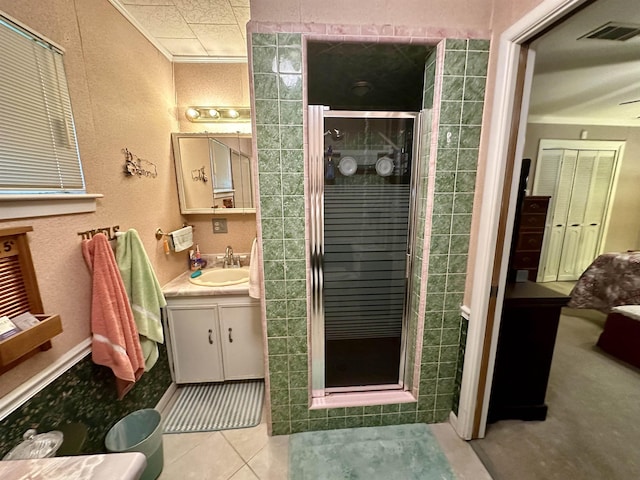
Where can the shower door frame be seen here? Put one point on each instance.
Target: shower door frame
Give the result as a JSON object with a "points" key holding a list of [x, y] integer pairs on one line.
{"points": [[316, 116]]}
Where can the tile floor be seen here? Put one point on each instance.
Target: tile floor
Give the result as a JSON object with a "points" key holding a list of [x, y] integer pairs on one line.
{"points": [[250, 454]]}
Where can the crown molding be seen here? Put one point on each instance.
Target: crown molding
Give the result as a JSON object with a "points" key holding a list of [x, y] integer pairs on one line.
{"points": [[116, 4], [206, 59], [605, 122]]}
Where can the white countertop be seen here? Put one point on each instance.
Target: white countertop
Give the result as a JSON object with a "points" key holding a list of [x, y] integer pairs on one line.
{"points": [[121, 466], [182, 287]]}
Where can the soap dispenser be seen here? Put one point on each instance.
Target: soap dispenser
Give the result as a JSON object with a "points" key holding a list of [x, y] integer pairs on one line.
{"points": [[197, 262]]}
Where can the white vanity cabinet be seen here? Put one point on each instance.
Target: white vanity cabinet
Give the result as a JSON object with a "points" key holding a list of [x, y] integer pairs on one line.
{"points": [[215, 338]]}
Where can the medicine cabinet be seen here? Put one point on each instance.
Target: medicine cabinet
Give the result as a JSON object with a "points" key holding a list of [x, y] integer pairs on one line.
{"points": [[213, 173]]}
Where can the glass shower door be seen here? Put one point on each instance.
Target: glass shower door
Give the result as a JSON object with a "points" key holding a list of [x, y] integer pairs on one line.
{"points": [[361, 191]]}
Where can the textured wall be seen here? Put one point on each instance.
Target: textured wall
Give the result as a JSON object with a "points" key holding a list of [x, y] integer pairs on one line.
{"points": [[221, 84], [122, 94], [241, 230], [278, 71]]}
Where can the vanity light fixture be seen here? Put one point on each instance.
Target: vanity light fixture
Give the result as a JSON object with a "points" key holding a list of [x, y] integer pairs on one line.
{"points": [[218, 114]]}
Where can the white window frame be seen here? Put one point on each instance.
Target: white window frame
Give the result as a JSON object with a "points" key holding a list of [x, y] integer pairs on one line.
{"points": [[36, 201]]}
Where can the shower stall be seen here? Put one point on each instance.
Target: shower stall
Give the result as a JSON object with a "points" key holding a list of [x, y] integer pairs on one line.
{"points": [[362, 181]]}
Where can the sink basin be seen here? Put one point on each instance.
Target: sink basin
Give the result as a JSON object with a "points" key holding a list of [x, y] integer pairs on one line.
{"points": [[221, 277]]}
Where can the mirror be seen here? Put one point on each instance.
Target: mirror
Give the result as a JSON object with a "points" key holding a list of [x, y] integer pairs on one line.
{"points": [[214, 173]]}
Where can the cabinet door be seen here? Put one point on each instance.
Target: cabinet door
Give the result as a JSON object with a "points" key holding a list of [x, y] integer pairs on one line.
{"points": [[195, 344], [241, 338]]}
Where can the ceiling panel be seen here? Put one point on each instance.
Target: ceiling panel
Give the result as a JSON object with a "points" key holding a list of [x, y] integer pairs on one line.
{"points": [[220, 40], [193, 28], [219, 12], [161, 20]]}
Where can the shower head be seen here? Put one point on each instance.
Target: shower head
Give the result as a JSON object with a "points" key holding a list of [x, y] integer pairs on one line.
{"points": [[335, 134]]}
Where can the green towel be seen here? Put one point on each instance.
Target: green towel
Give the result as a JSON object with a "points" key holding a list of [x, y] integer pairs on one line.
{"points": [[145, 294]]}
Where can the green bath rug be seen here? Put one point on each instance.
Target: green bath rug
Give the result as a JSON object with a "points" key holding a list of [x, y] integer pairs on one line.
{"points": [[398, 452]]}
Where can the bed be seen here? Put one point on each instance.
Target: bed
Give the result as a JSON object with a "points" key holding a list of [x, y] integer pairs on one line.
{"points": [[611, 284], [613, 279]]}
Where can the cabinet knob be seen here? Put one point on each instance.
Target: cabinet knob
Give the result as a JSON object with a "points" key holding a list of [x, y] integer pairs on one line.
{"points": [[230, 338], [210, 339]]}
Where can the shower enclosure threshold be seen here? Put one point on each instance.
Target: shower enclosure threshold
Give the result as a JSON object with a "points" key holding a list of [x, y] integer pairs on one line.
{"points": [[363, 388], [362, 399]]}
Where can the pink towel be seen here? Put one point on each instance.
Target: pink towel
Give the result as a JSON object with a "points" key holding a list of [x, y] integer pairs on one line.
{"points": [[115, 342]]}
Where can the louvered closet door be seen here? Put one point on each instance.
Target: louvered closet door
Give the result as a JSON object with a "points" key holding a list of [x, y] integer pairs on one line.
{"points": [[579, 193], [595, 210], [579, 182], [554, 177]]}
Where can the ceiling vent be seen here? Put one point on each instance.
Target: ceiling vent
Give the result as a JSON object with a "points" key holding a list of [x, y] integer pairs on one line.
{"points": [[614, 31]]}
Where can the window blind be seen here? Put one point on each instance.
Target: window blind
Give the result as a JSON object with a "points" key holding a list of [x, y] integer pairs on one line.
{"points": [[38, 148]]}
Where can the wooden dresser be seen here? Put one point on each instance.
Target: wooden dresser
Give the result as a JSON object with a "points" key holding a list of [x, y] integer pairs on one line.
{"points": [[527, 337], [527, 236]]}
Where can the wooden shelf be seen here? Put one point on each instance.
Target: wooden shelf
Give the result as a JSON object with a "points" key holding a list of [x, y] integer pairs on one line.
{"points": [[20, 294], [27, 343]]}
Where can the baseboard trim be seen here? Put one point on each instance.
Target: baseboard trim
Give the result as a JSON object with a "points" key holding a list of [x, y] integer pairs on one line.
{"points": [[453, 420], [15, 399], [166, 398]]}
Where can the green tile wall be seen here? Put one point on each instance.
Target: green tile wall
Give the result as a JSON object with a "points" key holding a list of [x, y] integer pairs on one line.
{"points": [[277, 70], [85, 393], [463, 78]]}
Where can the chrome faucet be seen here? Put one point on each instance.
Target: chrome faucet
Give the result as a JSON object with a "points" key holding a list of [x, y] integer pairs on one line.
{"points": [[228, 257]]}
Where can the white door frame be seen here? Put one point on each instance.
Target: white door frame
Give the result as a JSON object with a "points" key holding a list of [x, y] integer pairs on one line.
{"points": [[541, 17]]}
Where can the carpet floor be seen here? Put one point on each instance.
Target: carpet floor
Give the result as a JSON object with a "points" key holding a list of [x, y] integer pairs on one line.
{"points": [[405, 452], [216, 406], [592, 429]]}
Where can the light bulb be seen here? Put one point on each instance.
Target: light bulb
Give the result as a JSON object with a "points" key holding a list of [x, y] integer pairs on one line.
{"points": [[233, 113], [192, 113], [213, 113]]}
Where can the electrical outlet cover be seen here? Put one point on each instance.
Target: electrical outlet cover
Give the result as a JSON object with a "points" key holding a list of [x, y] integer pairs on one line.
{"points": [[219, 225]]}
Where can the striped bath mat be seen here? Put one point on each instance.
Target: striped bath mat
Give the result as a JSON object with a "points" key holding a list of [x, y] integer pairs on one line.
{"points": [[216, 406]]}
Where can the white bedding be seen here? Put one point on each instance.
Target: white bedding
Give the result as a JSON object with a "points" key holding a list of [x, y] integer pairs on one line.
{"points": [[631, 311]]}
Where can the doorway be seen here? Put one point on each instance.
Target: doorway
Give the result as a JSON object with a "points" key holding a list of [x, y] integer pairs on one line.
{"points": [[516, 36]]}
